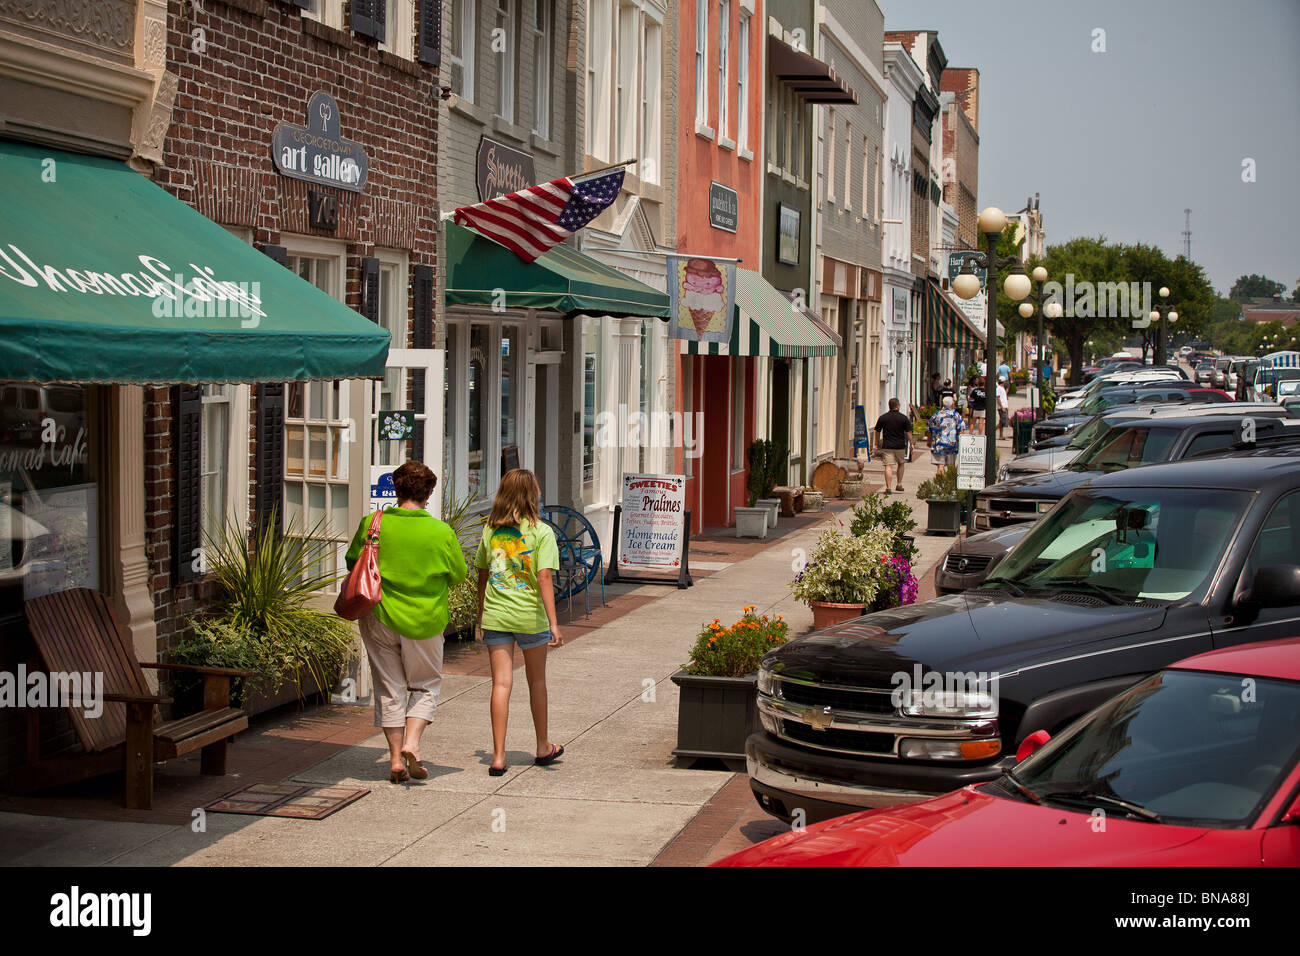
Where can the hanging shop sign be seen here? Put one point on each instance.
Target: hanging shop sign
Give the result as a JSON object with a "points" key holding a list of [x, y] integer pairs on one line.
{"points": [[724, 207], [502, 170], [317, 152], [787, 237], [701, 299], [396, 425], [650, 531]]}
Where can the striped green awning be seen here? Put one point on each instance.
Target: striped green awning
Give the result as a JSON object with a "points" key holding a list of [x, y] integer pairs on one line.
{"points": [[944, 325], [768, 324]]}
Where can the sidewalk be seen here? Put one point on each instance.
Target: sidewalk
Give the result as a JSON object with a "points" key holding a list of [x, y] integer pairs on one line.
{"points": [[615, 798]]}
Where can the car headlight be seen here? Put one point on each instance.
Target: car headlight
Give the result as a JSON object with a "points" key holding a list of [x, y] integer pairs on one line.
{"points": [[939, 703], [1045, 506], [1002, 474], [764, 680], [929, 748]]}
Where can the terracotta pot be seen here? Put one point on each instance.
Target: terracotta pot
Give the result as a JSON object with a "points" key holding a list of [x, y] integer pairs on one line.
{"points": [[825, 614]]}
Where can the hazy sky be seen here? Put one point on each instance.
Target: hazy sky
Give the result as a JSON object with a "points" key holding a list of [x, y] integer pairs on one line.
{"points": [[1120, 143]]}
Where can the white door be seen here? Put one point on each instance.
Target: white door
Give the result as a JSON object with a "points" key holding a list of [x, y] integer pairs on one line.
{"points": [[413, 381]]}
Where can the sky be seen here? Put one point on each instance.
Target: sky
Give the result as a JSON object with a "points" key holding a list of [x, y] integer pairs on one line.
{"points": [[1120, 143]]}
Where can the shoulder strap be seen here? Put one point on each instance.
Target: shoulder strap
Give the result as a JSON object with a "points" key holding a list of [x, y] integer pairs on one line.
{"points": [[373, 531]]}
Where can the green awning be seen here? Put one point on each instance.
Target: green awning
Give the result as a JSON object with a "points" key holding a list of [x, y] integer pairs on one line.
{"points": [[482, 272], [945, 326], [768, 323], [106, 277]]}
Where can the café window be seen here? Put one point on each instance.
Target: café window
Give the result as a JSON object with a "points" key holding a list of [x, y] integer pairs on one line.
{"points": [[49, 491]]}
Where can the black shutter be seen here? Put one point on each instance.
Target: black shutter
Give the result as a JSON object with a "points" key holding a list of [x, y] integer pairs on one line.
{"points": [[187, 479], [370, 290], [300, 4], [422, 293], [430, 32], [279, 253], [270, 453], [368, 18], [417, 405]]}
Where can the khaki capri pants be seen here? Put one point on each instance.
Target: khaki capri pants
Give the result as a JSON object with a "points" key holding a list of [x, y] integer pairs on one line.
{"points": [[407, 674]]}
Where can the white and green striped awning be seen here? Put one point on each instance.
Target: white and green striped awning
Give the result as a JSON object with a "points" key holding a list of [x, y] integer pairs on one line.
{"points": [[768, 324]]}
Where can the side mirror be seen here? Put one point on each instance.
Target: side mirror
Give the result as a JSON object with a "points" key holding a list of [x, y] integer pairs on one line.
{"points": [[1031, 744], [1274, 585]]}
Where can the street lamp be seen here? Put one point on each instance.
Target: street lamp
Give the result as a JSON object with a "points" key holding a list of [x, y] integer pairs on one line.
{"points": [[967, 285], [1160, 315], [1048, 309]]}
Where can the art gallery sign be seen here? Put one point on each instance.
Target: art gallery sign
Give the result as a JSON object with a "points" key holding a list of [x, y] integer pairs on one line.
{"points": [[317, 152]]}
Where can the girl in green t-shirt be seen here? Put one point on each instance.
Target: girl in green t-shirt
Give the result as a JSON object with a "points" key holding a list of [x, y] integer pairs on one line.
{"points": [[516, 605]]}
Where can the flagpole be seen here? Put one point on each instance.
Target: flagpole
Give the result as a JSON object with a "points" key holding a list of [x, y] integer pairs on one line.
{"points": [[603, 169]]}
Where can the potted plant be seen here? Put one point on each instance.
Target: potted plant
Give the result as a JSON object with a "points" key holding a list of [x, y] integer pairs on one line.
{"points": [[812, 499], [262, 619], [877, 511], [717, 706], [898, 584], [465, 518], [940, 495], [842, 575], [767, 466]]}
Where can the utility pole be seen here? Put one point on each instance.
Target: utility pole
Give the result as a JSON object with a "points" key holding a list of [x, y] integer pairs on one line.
{"points": [[1187, 234]]}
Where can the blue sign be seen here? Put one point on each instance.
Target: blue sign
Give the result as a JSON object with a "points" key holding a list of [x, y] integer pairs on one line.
{"points": [[860, 427], [385, 488]]}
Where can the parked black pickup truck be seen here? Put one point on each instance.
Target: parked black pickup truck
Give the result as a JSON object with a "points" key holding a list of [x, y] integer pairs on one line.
{"points": [[1131, 572], [1129, 443]]}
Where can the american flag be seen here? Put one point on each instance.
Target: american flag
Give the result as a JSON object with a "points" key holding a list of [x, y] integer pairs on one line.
{"points": [[532, 220]]}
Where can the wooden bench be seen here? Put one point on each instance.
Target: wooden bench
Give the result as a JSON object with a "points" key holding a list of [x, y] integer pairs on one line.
{"points": [[76, 631], [791, 499]]}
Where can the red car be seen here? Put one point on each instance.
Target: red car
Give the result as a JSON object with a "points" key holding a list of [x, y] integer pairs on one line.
{"points": [[1194, 766]]}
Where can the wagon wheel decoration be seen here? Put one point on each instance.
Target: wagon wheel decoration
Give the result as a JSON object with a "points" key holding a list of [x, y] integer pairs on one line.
{"points": [[577, 532]]}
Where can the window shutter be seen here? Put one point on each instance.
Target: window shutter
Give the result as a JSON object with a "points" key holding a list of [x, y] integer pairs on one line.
{"points": [[368, 18], [300, 4], [422, 306], [187, 479], [279, 253], [430, 32], [370, 289], [270, 453], [417, 405]]}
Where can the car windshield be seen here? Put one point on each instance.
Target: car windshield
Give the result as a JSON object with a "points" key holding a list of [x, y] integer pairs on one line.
{"points": [[1182, 747], [1131, 544], [1289, 387], [1087, 433], [1127, 446]]}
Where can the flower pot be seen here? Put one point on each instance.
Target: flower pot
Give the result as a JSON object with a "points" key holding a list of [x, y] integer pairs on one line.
{"points": [[773, 505], [825, 613], [260, 701], [752, 522], [714, 716], [851, 488], [812, 500], [943, 516]]}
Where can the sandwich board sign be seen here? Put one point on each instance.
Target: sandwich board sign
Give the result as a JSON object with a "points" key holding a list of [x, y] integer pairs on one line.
{"points": [[652, 531]]}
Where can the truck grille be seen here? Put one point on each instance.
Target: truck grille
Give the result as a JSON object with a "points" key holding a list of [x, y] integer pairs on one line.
{"points": [[860, 702], [847, 740]]}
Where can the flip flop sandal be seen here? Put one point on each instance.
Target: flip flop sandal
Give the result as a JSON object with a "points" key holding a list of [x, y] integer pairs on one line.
{"points": [[413, 764], [549, 758], [498, 771]]}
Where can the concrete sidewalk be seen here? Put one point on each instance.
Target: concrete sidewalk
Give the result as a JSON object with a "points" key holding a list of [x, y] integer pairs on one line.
{"points": [[615, 798]]}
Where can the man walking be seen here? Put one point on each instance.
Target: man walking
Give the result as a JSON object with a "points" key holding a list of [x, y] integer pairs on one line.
{"points": [[1004, 407], [893, 435]]}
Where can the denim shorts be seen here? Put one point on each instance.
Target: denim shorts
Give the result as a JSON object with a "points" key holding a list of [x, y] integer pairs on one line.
{"points": [[526, 641]]}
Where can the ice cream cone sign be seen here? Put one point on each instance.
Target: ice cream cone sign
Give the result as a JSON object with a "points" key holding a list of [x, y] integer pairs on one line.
{"points": [[702, 295]]}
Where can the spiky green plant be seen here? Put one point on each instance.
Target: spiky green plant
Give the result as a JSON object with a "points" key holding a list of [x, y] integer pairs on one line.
{"points": [[465, 516]]}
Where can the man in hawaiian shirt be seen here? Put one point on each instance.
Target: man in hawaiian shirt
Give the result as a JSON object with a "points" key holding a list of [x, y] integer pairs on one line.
{"points": [[945, 426]]}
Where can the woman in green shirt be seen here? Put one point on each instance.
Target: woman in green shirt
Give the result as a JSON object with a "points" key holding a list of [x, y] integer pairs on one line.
{"points": [[516, 605], [419, 560]]}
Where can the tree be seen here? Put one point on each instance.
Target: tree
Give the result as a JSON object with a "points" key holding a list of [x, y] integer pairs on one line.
{"points": [[1255, 287], [1093, 261]]}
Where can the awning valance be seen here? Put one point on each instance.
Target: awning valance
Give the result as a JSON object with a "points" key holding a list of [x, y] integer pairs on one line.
{"points": [[944, 325], [808, 76], [106, 277], [768, 323], [564, 280]]}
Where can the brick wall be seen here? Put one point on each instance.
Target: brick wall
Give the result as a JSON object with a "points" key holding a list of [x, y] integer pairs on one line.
{"points": [[258, 66]]}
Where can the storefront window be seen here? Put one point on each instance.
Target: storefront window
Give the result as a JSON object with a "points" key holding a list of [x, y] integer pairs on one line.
{"points": [[511, 382], [591, 387], [49, 493], [478, 400]]}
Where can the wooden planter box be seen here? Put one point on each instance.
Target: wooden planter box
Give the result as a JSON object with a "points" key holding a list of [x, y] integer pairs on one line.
{"points": [[714, 716], [943, 516], [261, 701]]}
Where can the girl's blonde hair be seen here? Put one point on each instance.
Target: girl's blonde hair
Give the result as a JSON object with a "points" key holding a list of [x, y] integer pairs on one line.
{"points": [[517, 500]]}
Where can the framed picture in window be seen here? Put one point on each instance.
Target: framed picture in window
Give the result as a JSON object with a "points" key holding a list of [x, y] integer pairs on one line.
{"points": [[787, 236]]}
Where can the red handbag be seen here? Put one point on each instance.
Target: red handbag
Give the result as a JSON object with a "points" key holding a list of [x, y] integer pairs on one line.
{"points": [[361, 589]]}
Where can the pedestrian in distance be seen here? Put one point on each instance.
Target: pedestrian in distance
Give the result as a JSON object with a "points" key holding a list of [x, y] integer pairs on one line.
{"points": [[1004, 371], [936, 387], [893, 433], [947, 391], [978, 406], [419, 561], [516, 558], [1004, 407], [945, 425]]}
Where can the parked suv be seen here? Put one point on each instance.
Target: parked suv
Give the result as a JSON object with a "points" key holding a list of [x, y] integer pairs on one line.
{"points": [[1130, 573], [1129, 443]]}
